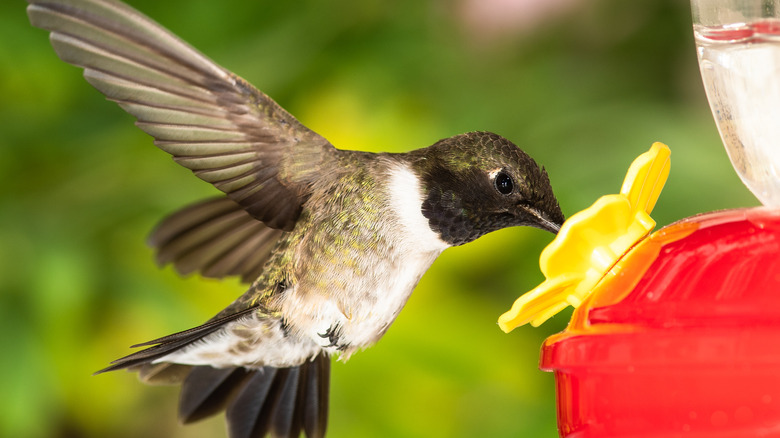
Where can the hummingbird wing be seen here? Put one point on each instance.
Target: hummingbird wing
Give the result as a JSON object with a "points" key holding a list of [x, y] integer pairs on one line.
{"points": [[215, 237], [212, 122], [161, 347]]}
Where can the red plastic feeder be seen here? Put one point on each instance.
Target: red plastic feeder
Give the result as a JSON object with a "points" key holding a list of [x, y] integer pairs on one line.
{"points": [[682, 339]]}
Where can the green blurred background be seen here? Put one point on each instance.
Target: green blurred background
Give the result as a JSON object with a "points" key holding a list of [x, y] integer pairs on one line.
{"points": [[584, 86]]}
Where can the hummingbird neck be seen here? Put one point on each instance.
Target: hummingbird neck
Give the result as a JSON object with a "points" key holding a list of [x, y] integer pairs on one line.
{"points": [[406, 200], [448, 218], [443, 209]]}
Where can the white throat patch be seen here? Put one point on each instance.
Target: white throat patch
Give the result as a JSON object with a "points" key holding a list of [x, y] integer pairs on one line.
{"points": [[406, 200]]}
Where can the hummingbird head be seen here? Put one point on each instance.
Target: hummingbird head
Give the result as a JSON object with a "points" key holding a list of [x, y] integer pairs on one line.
{"points": [[480, 182]]}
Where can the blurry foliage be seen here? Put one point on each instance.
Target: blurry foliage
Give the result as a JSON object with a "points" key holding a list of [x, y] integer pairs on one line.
{"points": [[80, 187]]}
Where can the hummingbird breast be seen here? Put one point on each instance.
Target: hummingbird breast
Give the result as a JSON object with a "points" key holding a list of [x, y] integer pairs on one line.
{"points": [[339, 279], [365, 248]]}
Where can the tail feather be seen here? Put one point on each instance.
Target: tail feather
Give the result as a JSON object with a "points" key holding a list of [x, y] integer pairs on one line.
{"points": [[283, 417], [281, 402], [207, 390], [248, 415], [314, 402]]}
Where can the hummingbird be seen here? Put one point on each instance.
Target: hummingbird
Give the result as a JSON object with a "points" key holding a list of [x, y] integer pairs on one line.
{"points": [[331, 242]]}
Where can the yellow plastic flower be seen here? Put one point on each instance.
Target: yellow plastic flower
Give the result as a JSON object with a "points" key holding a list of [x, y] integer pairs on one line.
{"points": [[592, 241]]}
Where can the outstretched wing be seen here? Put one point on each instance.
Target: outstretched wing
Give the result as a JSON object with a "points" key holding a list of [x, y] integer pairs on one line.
{"points": [[212, 122], [216, 238]]}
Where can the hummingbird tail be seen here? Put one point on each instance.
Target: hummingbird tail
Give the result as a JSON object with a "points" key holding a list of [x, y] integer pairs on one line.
{"points": [[257, 401], [279, 401]]}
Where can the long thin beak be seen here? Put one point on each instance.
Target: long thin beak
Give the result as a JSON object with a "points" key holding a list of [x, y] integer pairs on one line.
{"points": [[543, 222]]}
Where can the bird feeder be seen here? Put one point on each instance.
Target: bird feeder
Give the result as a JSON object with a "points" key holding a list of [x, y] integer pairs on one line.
{"points": [[675, 333]]}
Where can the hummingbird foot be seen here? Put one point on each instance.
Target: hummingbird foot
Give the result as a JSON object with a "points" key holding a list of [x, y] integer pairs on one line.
{"points": [[333, 335]]}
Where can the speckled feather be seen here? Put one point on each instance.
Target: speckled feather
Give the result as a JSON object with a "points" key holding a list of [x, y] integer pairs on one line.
{"points": [[331, 272]]}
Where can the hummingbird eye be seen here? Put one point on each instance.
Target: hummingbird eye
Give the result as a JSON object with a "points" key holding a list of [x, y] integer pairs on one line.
{"points": [[504, 183]]}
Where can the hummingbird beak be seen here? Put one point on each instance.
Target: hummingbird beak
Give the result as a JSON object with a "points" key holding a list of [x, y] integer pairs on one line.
{"points": [[543, 221]]}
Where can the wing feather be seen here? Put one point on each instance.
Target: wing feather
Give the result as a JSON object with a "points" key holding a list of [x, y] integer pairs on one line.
{"points": [[212, 122], [215, 237]]}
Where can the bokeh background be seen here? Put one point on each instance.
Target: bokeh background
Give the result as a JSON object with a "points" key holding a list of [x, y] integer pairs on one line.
{"points": [[584, 86]]}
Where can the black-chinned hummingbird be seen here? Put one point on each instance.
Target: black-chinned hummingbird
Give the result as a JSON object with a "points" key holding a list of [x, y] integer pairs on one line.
{"points": [[332, 241]]}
